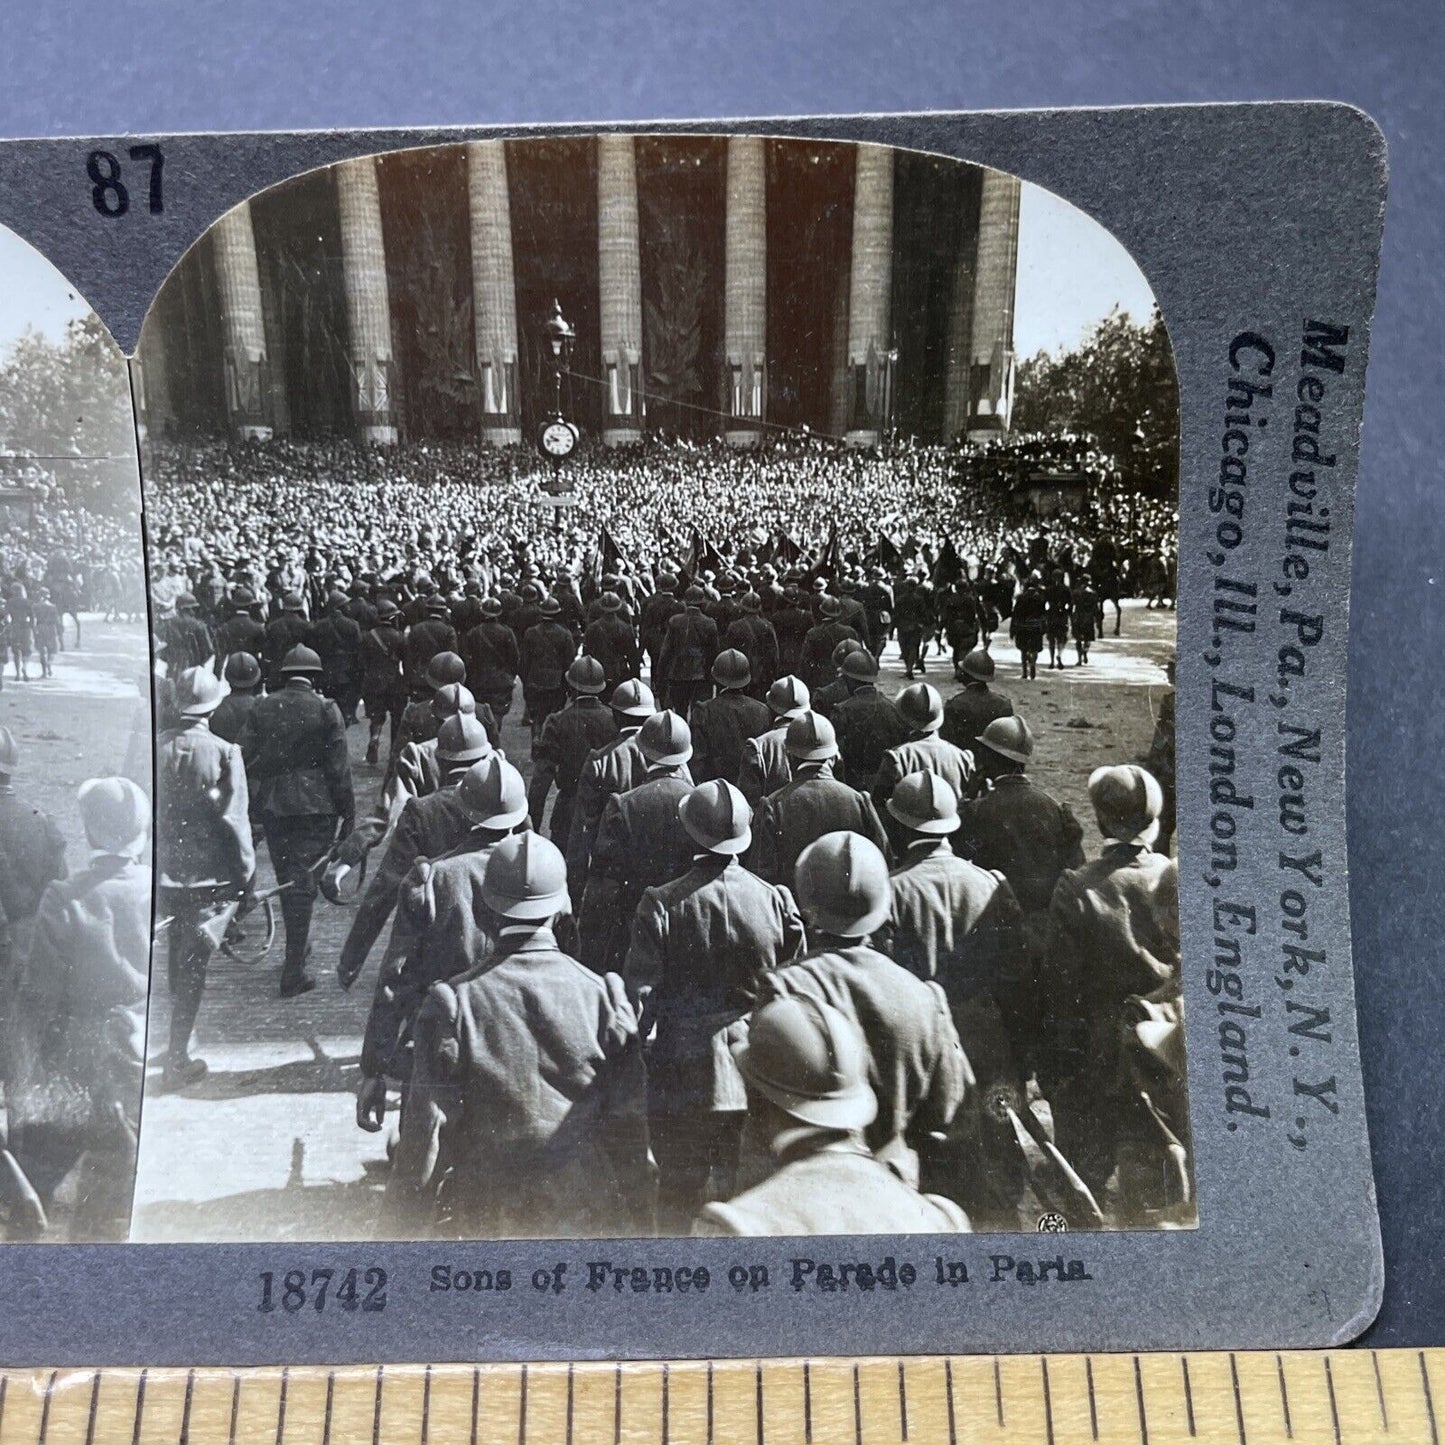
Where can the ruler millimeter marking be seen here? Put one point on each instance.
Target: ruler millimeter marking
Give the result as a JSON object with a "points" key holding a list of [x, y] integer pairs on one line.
{"points": [[1345, 1397]]}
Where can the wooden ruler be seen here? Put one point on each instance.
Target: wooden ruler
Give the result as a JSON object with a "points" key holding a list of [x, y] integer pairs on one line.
{"points": [[1349, 1397]]}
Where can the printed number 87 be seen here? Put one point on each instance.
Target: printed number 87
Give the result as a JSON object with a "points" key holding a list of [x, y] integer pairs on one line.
{"points": [[108, 193]]}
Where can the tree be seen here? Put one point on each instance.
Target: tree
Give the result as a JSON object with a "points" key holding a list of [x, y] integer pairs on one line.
{"points": [[67, 404], [1118, 387]]}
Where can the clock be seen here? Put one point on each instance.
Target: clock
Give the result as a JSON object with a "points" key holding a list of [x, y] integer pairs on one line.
{"points": [[558, 439]]}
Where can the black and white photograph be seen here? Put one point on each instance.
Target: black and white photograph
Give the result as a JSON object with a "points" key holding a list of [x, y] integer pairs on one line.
{"points": [[663, 657], [75, 766]]}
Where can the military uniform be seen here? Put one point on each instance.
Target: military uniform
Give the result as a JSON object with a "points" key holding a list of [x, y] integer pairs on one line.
{"points": [[791, 624], [720, 728], [1115, 938], [1026, 835], [689, 650], [815, 664], [926, 754], [699, 947], [829, 1185], [764, 766], [490, 652], [336, 640], [753, 635], [916, 1066], [79, 1012], [528, 1086], [205, 858], [640, 844], [611, 769], [611, 641], [383, 689], [813, 804], [426, 827], [230, 717], [969, 711], [657, 612], [568, 739], [547, 651], [294, 744], [868, 725], [286, 630], [424, 639]]}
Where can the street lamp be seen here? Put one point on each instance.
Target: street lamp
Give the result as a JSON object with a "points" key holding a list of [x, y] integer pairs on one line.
{"points": [[560, 337], [558, 437]]}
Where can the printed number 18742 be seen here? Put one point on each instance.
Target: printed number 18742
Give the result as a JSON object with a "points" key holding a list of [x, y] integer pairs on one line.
{"points": [[351, 1289]]}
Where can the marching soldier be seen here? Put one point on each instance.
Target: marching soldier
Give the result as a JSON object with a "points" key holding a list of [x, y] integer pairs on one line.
{"points": [[641, 842], [825, 699], [866, 722], [32, 852], [283, 632], [688, 651], [921, 709], [204, 853], [612, 768], [568, 739], [492, 659], [188, 639], [915, 1064], [753, 635], [765, 767], [1087, 613], [243, 677], [294, 744], [1115, 939], [610, 639], [724, 723], [383, 687], [240, 632], [1026, 626], [417, 769], [809, 1100], [427, 636], [699, 946], [791, 624], [527, 1083], [657, 612], [546, 653], [427, 825], [968, 712], [815, 665], [442, 928], [915, 616], [336, 639], [812, 804], [1058, 604], [80, 1014], [960, 618]]}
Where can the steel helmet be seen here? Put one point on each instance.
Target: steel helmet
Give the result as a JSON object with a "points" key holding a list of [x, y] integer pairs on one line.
{"points": [[526, 879], [115, 813], [842, 885], [199, 692], [860, 665], [731, 669], [633, 699], [301, 659], [1127, 801], [586, 677], [978, 665], [462, 739], [788, 697], [493, 792], [1009, 737], [810, 1061], [445, 667], [717, 817], [450, 699], [610, 602], [242, 670], [665, 740], [926, 804], [921, 707], [811, 739], [842, 649]]}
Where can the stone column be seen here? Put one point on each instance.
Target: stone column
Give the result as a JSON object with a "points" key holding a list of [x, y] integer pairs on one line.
{"points": [[494, 292], [238, 280], [870, 360], [992, 347], [368, 300], [619, 282], [745, 291]]}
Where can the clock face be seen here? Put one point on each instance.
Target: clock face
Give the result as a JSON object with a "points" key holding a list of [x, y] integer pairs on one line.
{"points": [[558, 438]]}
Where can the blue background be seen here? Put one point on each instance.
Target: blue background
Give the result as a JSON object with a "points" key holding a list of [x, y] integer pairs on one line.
{"points": [[96, 68]]}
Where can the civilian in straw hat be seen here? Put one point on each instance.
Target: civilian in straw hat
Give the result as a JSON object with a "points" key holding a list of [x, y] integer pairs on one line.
{"points": [[699, 947]]}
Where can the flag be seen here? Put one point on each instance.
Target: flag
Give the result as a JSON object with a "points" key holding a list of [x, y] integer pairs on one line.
{"points": [[948, 567], [884, 553], [830, 560], [784, 549]]}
